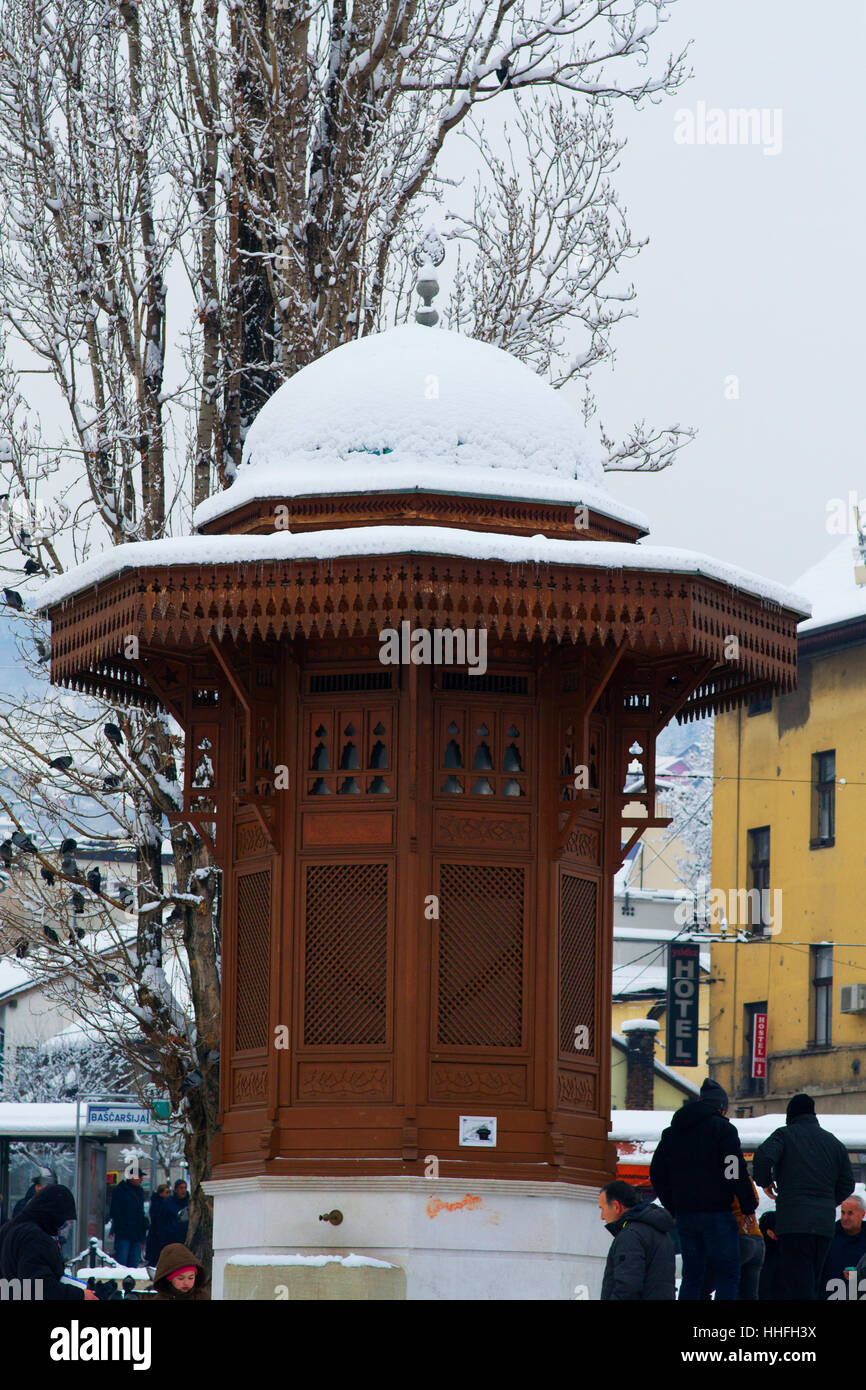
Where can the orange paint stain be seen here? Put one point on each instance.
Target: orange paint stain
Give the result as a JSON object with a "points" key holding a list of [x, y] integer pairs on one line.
{"points": [[467, 1203]]}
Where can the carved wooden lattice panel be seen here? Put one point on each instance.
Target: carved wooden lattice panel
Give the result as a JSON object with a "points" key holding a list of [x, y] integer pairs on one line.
{"points": [[577, 936], [253, 967], [481, 955], [482, 752], [346, 955]]}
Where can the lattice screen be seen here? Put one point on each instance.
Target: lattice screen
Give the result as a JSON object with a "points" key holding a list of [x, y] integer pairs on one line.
{"points": [[577, 938], [253, 967], [346, 955], [480, 955]]}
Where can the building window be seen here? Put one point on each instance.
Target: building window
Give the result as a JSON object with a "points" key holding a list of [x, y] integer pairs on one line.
{"points": [[823, 799], [752, 1085], [822, 995], [762, 704], [759, 878]]}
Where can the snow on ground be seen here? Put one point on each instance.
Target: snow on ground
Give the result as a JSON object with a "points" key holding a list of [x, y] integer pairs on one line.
{"points": [[400, 540]]}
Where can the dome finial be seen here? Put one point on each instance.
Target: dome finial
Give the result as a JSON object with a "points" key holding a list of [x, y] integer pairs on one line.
{"points": [[427, 255]]}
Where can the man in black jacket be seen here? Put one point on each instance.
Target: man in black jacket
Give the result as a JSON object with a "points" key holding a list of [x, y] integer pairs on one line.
{"points": [[812, 1171], [30, 1244], [128, 1222], [697, 1170], [641, 1262]]}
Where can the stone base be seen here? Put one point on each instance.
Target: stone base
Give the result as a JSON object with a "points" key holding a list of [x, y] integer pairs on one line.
{"points": [[294, 1277], [488, 1239]]}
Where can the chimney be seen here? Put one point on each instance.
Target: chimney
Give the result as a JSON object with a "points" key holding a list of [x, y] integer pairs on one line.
{"points": [[640, 1034]]}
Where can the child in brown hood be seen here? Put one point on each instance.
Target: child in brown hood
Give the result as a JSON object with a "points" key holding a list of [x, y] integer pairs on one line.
{"points": [[180, 1277]]}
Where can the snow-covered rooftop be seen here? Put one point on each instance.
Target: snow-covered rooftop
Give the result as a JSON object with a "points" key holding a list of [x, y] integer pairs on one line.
{"points": [[832, 589], [12, 976], [44, 1119], [402, 540], [419, 409], [645, 1127]]}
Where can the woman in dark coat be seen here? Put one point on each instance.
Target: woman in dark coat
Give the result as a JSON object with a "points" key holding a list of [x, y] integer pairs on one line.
{"points": [[30, 1244], [174, 1281], [161, 1224]]}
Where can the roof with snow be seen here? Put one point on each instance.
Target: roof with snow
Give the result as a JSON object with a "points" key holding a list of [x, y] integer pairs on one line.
{"points": [[620, 1042], [405, 540], [645, 1127], [45, 1120], [419, 409], [832, 589]]}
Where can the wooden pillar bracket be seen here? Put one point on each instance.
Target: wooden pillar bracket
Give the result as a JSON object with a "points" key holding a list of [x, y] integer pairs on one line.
{"points": [[257, 803], [641, 823], [170, 702], [246, 704], [190, 818], [591, 701]]}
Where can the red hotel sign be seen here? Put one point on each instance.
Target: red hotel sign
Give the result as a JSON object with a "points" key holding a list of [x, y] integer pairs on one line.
{"points": [[759, 1045]]}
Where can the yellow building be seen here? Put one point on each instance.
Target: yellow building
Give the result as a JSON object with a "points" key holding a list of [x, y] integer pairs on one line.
{"points": [[789, 829]]}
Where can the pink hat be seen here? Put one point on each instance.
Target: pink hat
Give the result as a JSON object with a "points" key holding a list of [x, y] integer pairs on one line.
{"points": [[187, 1269]]}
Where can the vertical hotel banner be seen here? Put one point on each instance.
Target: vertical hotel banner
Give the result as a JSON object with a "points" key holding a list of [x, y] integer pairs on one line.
{"points": [[684, 972], [759, 1045]]}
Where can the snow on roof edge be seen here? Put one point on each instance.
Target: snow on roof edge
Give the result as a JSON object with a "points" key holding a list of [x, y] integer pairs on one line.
{"points": [[566, 492], [401, 540]]}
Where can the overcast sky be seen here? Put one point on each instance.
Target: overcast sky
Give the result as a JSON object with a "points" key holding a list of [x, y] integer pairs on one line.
{"points": [[755, 269]]}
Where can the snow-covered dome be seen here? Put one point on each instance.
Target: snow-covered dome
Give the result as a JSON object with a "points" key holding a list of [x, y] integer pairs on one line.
{"points": [[419, 409]]}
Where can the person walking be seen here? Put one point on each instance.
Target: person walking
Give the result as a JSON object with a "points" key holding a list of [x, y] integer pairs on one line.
{"points": [[128, 1221], [640, 1263], [177, 1211], [752, 1249], [808, 1173], [847, 1249], [30, 1244], [696, 1172], [751, 1242], [161, 1227]]}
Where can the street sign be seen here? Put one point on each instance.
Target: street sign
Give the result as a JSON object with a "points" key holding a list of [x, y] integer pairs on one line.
{"points": [[759, 1046], [105, 1116], [684, 974]]}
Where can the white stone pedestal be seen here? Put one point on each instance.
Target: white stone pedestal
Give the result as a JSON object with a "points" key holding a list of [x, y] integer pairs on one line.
{"points": [[489, 1239]]}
